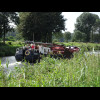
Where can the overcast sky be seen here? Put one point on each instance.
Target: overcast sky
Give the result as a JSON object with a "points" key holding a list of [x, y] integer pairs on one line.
{"points": [[71, 19]]}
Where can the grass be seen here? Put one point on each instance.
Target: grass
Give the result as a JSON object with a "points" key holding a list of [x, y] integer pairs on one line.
{"points": [[9, 48], [80, 71]]}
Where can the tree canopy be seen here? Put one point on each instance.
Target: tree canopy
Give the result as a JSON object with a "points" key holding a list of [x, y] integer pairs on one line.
{"points": [[5, 19], [85, 23], [67, 36], [41, 25], [79, 36]]}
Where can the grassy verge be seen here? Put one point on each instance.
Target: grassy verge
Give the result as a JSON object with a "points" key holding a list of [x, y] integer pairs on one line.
{"points": [[80, 71], [9, 48]]}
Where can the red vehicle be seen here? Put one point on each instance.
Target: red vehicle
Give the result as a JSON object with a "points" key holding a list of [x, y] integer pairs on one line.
{"points": [[33, 51], [66, 52]]}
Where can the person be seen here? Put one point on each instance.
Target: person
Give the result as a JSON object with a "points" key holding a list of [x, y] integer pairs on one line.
{"points": [[32, 46]]}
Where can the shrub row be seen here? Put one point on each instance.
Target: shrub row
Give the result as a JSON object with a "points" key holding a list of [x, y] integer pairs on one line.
{"points": [[7, 51]]}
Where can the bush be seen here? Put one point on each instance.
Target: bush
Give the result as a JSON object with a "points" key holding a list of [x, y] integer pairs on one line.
{"points": [[10, 43], [55, 40], [2, 54], [20, 43], [96, 47], [9, 48], [10, 38], [89, 48]]}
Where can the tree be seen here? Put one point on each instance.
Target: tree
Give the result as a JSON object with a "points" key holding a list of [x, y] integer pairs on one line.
{"points": [[97, 26], [96, 38], [79, 36], [41, 25], [67, 36], [95, 31], [58, 36], [5, 19], [85, 22]]}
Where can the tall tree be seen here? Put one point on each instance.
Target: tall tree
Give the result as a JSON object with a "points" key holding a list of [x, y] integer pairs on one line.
{"points": [[79, 36], [5, 19], [41, 25], [58, 36], [67, 36], [85, 22], [96, 31], [96, 27]]}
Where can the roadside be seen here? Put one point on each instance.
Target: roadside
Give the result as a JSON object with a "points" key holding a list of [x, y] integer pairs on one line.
{"points": [[9, 48]]}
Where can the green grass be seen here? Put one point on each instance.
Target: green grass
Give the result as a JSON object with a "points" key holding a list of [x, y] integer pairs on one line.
{"points": [[9, 48], [80, 71]]}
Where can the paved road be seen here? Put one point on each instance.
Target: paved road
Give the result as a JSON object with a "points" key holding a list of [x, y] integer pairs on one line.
{"points": [[11, 63]]}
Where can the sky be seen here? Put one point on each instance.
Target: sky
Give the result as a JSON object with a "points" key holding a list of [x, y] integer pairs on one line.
{"points": [[71, 19]]}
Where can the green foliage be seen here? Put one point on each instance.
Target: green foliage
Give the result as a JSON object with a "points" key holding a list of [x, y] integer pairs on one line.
{"points": [[67, 36], [13, 35], [57, 36], [9, 48], [96, 38], [85, 23], [79, 36], [9, 43], [5, 19], [41, 25], [10, 38], [2, 54], [55, 40], [80, 71]]}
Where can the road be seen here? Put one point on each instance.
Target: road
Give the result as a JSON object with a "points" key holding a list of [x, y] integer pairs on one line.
{"points": [[11, 61]]}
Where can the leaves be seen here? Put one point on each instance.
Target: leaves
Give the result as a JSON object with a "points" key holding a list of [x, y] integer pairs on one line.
{"points": [[0, 62], [41, 24], [5, 19], [85, 22]]}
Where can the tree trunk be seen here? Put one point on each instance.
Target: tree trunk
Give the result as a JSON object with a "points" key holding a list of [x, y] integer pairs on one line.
{"points": [[88, 37], [92, 35], [50, 37], [4, 33], [45, 38]]}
